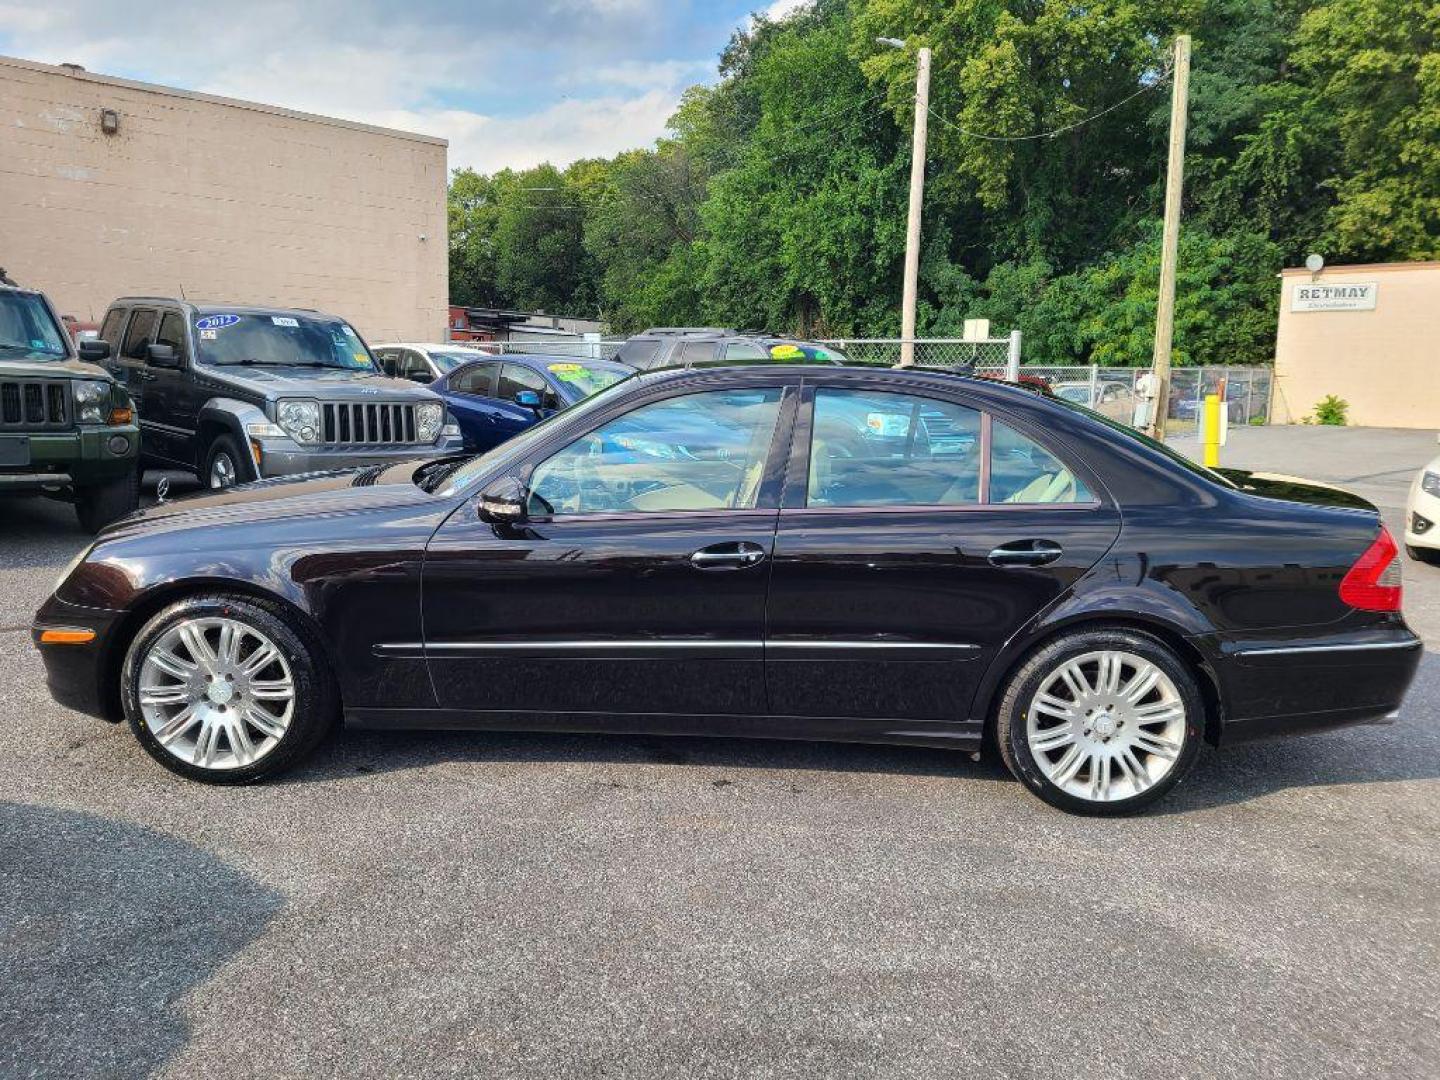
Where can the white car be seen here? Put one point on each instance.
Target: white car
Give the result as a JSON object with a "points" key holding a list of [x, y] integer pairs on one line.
{"points": [[424, 363], [1422, 515]]}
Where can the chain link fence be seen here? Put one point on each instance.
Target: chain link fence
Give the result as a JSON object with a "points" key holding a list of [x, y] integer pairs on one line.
{"points": [[1108, 390]]}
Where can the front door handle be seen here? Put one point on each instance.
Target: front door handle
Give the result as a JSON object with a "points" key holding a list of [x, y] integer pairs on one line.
{"points": [[1026, 553], [733, 555]]}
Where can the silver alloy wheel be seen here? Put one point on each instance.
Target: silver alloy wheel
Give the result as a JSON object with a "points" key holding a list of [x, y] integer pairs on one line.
{"points": [[1106, 726], [222, 470], [216, 693]]}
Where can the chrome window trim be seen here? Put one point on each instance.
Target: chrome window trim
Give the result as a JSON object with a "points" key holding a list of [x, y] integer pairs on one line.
{"points": [[1281, 650]]}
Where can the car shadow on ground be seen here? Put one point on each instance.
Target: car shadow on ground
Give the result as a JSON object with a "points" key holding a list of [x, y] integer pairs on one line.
{"points": [[104, 926], [1237, 774]]}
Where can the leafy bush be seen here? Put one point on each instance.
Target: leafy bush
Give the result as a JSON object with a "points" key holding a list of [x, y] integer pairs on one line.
{"points": [[1331, 410]]}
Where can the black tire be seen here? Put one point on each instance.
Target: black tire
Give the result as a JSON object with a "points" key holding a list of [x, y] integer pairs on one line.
{"points": [[98, 506], [1027, 680], [1425, 555], [226, 447], [316, 701]]}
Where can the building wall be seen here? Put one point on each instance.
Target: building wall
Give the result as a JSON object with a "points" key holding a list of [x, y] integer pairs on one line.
{"points": [[225, 200], [1385, 363]]}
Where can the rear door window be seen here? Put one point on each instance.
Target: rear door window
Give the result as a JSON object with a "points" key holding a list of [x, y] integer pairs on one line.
{"points": [[1023, 471], [138, 334], [639, 352], [478, 379], [110, 328], [695, 352]]}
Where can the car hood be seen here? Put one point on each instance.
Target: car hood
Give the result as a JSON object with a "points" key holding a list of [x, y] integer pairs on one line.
{"points": [[51, 369], [1295, 489], [310, 494], [318, 382]]}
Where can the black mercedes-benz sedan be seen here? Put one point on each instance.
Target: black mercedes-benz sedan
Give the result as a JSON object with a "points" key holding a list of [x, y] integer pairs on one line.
{"points": [[780, 552]]}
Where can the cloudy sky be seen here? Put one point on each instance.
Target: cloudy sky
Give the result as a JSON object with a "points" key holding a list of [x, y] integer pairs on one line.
{"points": [[508, 82]]}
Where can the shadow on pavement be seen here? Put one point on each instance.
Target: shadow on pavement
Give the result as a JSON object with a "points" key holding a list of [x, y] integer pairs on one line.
{"points": [[103, 927]]}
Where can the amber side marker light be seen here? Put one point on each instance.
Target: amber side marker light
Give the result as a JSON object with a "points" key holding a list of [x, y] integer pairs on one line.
{"points": [[66, 637], [121, 415]]}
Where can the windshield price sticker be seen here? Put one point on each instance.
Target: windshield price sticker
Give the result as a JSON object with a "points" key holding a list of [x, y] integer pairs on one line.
{"points": [[888, 425], [216, 322], [785, 352], [208, 335], [284, 320]]}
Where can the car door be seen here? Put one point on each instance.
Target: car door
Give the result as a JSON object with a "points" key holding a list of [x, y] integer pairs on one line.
{"points": [[917, 534], [637, 584], [470, 395], [128, 365], [173, 415], [511, 417]]}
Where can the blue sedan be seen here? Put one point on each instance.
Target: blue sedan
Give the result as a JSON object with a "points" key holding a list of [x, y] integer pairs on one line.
{"points": [[495, 399]]}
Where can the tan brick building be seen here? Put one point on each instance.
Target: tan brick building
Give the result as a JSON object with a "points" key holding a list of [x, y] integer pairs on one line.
{"points": [[1369, 334], [227, 200]]}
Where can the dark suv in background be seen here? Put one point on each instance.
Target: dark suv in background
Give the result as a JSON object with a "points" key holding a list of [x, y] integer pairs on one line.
{"points": [[692, 346], [67, 430], [239, 392]]}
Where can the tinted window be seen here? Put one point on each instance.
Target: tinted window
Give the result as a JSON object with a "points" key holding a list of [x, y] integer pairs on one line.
{"points": [[110, 328], [388, 360], [882, 449], [449, 361], [138, 335], [172, 332], [1023, 471], [741, 351], [413, 365], [698, 452], [514, 378], [478, 380], [638, 352], [695, 352]]}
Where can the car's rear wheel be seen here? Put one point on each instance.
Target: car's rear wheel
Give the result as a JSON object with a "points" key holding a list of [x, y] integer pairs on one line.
{"points": [[98, 506], [225, 465], [226, 689], [1101, 721]]}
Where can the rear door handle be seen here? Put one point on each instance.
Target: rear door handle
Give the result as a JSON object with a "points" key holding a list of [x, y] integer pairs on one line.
{"points": [[732, 555], [1026, 553]]}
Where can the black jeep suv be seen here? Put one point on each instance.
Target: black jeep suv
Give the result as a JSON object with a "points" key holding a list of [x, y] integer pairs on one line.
{"points": [[237, 392]]}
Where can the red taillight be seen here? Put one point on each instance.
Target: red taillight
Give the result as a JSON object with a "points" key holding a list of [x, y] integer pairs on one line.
{"points": [[1373, 583]]}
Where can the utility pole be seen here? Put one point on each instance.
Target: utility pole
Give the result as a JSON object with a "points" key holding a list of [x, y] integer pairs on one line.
{"points": [[1170, 244], [917, 198]]}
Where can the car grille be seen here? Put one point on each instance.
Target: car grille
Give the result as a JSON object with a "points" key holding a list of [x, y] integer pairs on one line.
{"points": [[35, 403], [368, 423]]}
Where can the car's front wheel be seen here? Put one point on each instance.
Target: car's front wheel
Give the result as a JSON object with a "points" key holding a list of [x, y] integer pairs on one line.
{"points": [[1101, 721], [225, 465], [226, 689]]}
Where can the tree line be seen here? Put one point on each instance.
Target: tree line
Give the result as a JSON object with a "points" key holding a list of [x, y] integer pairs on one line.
{"points": [[777, 198]]}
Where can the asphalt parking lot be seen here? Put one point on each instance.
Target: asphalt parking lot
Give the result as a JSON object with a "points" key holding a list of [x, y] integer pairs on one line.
{"points": [[518, 905]]}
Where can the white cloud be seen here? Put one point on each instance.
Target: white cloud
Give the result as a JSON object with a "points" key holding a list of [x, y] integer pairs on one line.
{"points": [[781, 8]]}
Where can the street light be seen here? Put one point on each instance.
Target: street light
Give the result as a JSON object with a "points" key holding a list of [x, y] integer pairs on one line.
{"points": [[917, 193]]}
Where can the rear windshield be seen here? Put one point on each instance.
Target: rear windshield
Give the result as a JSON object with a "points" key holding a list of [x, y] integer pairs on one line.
{"points": [[27, 330], [638, 352], [281, 341]]}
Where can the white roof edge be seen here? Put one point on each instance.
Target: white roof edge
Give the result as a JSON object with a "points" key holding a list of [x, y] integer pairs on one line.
{"points": [[215, 99]]}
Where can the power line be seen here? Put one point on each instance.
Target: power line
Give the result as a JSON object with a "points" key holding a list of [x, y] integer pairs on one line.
{"points": [[1160, 81]]}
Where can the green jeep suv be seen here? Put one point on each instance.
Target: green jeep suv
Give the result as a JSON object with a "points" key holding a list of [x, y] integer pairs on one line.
{"points": [[67, 429]]}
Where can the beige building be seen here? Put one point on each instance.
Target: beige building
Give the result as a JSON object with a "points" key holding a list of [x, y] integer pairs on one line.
{"points": [[111, 187], [1369, 334]]}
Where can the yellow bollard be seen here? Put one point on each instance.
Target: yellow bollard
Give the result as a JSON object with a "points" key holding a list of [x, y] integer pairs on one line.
{"points": [[1210, 429]]}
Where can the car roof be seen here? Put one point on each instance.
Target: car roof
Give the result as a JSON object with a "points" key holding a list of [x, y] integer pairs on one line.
{"points": [[990, 389], [209, 307]]}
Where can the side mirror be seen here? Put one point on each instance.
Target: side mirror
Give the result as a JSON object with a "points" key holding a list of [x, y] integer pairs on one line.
{"points": [[161, 356], [422, 377], [503, 503], [527, 399], [94, 350]]}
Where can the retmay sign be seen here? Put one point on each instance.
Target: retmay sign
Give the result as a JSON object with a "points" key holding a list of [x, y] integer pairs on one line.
{"points": [[1351, 296]]}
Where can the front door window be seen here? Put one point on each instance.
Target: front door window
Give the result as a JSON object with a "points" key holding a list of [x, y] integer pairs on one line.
{"points": [[703, 451]]}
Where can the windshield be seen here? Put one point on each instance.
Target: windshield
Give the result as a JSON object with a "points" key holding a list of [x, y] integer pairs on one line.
{"points": [[1128, 431], [27, 330], [281, 341], [584, 379], [449, 361], [520, 444]]}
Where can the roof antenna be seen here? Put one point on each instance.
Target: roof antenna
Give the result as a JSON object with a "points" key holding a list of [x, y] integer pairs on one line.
{"points": [[182, 292]]}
